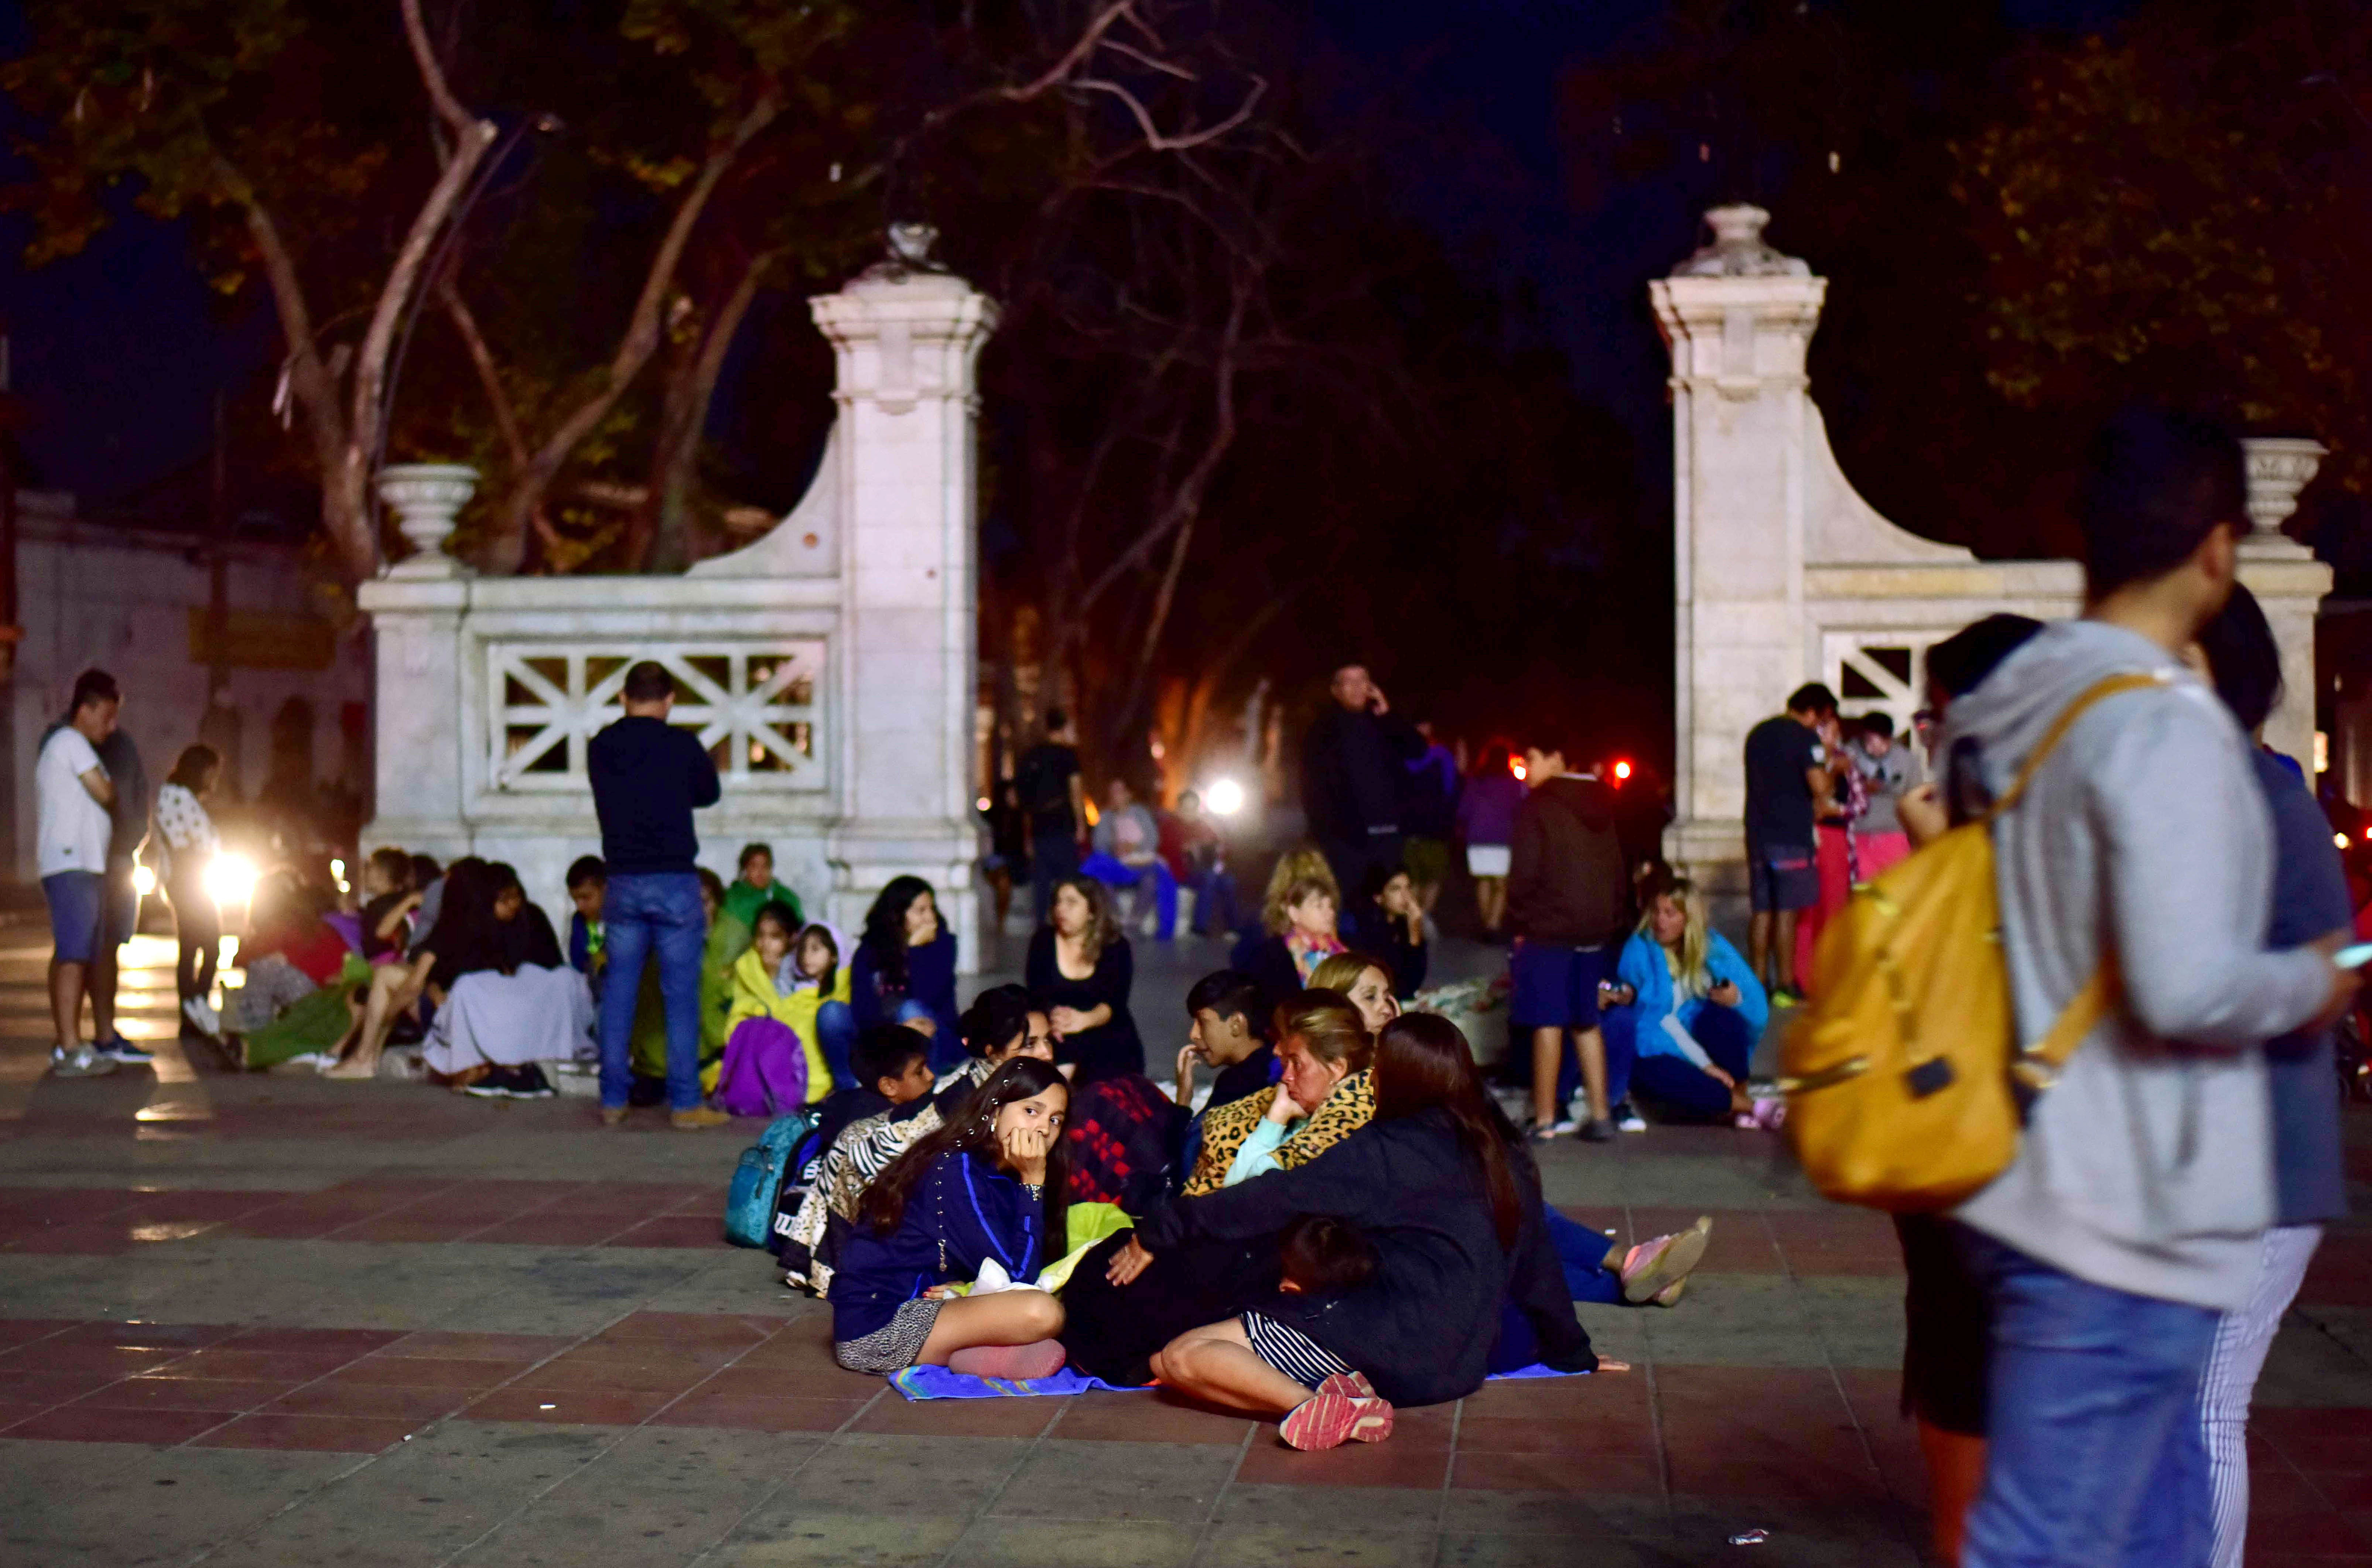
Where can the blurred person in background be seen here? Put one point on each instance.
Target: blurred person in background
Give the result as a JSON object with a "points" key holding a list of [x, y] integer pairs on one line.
{"points": [[128, 832], [1569, 899], [1789, 791], [1431, 817], [1054, 801], [1353, 776], [1486, 821], [185, 834], [2130, 1218], [1886, 772]]}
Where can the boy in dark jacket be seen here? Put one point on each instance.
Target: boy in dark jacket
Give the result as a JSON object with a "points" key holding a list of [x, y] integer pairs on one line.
{"points": [[1569, 900], [892, 1065]]}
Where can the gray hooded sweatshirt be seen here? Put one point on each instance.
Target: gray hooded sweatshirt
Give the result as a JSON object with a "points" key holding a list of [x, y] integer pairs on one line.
{"points": [[2148, 1168]]}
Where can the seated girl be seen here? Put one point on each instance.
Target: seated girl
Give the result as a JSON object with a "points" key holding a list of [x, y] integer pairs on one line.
{"points": [[301, 978], [782, 980], [1393, 923], [396, 989], [987, 1186], [506, 1002], [1320, 1098], [903, 970], [1686, 1013], [999, 1027], [1431, 1184]]}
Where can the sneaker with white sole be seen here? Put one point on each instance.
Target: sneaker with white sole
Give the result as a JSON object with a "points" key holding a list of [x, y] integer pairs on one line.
{"points": [[121, 1050], [1627, 1117], [203, 1016], [80, 1062], [1653, 1267]]}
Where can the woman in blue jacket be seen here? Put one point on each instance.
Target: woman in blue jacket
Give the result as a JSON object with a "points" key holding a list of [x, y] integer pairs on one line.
{"points": [[903, 970], [985, 1187], [1686, 1013]]}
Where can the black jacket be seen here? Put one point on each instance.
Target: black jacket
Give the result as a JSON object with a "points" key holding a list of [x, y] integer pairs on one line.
{"points": [[1354, 774], [1423, 1332], [1567, 882], [648, 777]]}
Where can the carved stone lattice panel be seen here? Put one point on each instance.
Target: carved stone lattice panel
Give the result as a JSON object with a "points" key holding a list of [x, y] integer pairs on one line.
{"points": [[757, 706], [1883, 671]]}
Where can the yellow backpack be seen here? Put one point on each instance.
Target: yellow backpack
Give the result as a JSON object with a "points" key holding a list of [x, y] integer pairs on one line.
{"points": [[1898, 1073]]}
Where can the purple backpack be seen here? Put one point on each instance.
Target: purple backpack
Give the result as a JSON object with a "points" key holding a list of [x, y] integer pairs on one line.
{"points": [[765, 1070]]}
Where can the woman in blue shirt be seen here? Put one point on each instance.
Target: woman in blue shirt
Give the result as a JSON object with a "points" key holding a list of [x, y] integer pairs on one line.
{"points": [[904, 969], [986, 1187], [1687, 1011]]}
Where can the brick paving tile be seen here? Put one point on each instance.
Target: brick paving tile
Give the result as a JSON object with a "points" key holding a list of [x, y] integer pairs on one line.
{"points": [[693, 1327], [309, 1434], [577, 1373], [149, 1336], [237, 1364], [63, 1356], [1354, 1464], [962, 1418], [185, 1394], [15, 1331], [548, 1229], [1147, 1418], [809, 1382], [393, 1402], [671, 1230], [96, 1238], [608, 1407], [348, 1341], [46, 1388], [466, 1346], [1604, 1438], [423, 1372], [95, 1423], [1554, 1473], [741, 1412], [2308, 1534]]}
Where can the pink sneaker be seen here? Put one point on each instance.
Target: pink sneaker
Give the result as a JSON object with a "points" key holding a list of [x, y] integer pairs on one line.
{"points": [[1332, 1416]]}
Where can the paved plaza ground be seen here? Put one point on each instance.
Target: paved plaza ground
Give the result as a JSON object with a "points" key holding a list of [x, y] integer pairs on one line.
{"points": [[251, 1321]]}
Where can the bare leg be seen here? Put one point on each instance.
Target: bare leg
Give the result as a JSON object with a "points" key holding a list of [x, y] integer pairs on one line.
{"points": [[1217, 1365], [1758, 945], [1491, 903], [102, 986], [1591, 1044], [392, 989], [65, 1004], [1008, 1317], [1548, 1056], [1783, 949]]}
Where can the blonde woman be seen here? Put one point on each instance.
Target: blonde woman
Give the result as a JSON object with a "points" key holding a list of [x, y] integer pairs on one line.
{"points": [[1301, 914], [1686, 1013], [1367, 981], [1322, 1097], [1079, 973]]}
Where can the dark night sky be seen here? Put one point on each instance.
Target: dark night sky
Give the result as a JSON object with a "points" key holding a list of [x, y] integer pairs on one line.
{"points": [[119, 351]]}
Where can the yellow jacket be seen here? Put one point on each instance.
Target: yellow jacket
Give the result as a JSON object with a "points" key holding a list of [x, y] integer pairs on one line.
{"points": [[754, 997]]}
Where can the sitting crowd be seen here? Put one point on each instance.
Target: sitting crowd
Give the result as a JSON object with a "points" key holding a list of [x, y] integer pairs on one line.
{"points": [[1347, 1222]]}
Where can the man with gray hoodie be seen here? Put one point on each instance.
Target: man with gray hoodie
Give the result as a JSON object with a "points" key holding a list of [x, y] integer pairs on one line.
{"points": [[2130, 1219]]}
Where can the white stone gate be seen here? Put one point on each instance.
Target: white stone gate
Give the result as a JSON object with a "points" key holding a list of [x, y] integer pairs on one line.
{"points": [[1783, 573], [830, 667]]}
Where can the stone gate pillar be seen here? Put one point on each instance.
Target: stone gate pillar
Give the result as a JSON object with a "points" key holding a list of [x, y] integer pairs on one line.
{"points": [[1738, 318], [2288, 582], [907, 335]]}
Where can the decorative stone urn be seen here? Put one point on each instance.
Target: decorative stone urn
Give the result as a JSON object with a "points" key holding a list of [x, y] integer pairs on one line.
{"points": [[2279, 467], [426, 498]]}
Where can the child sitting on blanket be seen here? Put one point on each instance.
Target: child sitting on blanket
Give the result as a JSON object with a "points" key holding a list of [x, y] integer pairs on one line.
{"points": [[985, 1187]]}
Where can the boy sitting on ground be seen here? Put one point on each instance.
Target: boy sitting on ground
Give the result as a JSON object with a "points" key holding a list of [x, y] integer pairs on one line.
{"points": [[1228, 1014], [893, 1066]]}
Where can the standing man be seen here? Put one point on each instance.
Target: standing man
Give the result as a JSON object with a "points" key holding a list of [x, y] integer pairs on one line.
{"points": [[648, 777], [2135, 877], [72, 793], [1354, 778], [1568, 899], [120, 921], [1047, 778], [1789, 792]]}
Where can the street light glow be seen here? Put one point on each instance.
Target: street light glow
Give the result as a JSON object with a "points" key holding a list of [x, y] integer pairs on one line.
{"points": [[230, 879], [1225, 797]]}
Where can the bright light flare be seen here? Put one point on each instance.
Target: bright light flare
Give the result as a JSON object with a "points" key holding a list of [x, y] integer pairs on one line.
{"points": [[230, 879], [2339, 840], [1225, 797], [1515, 766], [144, 881], [1622, 770]]}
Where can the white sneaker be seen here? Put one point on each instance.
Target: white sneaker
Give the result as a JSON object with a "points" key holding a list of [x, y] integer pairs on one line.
{"points": [[1630, 1121], [200, 1011], [81, 1063]]}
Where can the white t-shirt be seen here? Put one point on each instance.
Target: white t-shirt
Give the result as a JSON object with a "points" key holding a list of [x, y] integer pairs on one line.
{"points": [[74, 827]]}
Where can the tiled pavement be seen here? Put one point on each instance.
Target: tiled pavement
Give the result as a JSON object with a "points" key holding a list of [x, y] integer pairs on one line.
{"points": [[263, 1320]]}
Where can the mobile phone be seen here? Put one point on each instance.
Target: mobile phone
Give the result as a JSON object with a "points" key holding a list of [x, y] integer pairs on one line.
{"points": [[2353, 957]]}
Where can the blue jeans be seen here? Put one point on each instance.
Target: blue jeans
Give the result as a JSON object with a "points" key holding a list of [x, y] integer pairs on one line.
{"points": [[1582, 1252], [646, 911], [836, 1036], [2094, 1455]]}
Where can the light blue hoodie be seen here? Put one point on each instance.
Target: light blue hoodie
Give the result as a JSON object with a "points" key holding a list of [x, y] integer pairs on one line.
{"points": [[2149, 1167]]}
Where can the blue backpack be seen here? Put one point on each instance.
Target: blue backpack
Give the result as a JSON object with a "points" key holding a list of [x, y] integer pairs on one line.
{"points": [[757, 1179]]}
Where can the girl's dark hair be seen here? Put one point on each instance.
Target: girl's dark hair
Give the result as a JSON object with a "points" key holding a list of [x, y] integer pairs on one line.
{"points": [[1423, 1062], [711, 884], [193, 767], [995, 1017], [774, 914], [822, 934], [395, 865], [885, 930], [971, 1128], [506, 879], [2243, 658], [466, 908], [424, 870]]}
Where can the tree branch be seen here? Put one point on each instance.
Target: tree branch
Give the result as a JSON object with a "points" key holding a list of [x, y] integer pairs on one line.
{"points": [[458, 312], [432, 74]]}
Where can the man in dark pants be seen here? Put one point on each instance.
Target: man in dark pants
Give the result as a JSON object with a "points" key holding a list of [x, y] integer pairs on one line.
{"points": [[1569, 900], [1353, 779], [1787, 796], [120, 911], [1047, 779], [648, 778]]}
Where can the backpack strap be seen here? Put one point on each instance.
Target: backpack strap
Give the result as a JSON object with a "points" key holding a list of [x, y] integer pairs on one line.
{"points": [[2101, 692], [2038, 1065]]}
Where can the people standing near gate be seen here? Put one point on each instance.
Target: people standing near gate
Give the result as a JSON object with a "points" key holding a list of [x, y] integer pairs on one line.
{"points": [[648, 777], [1887, 775], [2132, 1216], [185, 830], [1569, 899], [1789, 792], [72, 795], [127, 833], [1354, 777], [1054, 801]]}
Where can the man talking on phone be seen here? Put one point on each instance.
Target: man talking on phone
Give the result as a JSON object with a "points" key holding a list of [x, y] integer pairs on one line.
{"points": [[1354, 777]]}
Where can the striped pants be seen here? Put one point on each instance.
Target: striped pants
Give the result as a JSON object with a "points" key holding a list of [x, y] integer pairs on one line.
{"points": [[2225, 1387]]}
